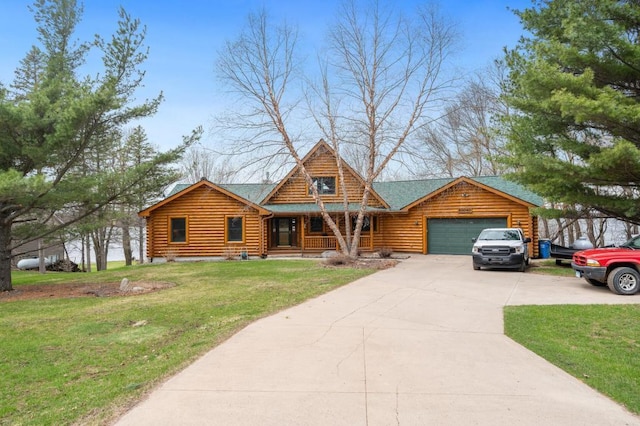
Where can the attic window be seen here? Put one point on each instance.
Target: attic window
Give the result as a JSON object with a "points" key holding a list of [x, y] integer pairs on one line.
{"points": [[326, 185]]}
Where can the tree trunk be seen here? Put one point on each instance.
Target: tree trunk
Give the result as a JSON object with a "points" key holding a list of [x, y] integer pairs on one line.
{"points": [[545, 227], [98, 252], [88, 247], [571, 234], [577, 231], [42, 268], [5, 256], [141, 243], [630, 229], [101, 263], [560, 231], [101, 238], [126, 245]]}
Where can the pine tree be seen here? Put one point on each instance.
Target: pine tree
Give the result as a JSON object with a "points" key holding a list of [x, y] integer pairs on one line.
{"points": [[54, 118], [575, 84]]}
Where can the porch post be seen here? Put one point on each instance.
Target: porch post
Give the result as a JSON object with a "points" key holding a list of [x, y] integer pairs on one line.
{"points": [[371, 232], [302, 226], [265, 230], [336, 219], [263, 235]]}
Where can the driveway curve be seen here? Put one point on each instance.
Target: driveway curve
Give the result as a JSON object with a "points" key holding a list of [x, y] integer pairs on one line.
{"points": [[419, 344]]}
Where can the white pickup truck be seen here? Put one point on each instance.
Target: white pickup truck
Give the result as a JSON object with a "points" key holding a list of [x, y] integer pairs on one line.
{"points": [[501, 248]]}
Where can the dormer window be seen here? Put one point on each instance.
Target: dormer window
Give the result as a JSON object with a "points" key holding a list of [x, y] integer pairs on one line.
{"points": [[326, 185]]}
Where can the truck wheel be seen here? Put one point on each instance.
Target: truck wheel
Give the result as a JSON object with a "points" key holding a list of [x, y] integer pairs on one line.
{"points": [[595, 283], [523, 266], [476, 267], [625, 281]]}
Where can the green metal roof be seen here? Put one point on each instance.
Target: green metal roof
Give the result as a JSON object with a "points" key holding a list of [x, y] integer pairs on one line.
{"points": [[179, 187], [398, 194], [254, 192]]}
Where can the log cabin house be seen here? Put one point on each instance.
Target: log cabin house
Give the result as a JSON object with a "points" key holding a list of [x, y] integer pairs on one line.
{"points": [[432, 216]]}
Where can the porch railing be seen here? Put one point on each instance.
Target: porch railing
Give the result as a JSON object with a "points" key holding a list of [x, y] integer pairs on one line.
{"points": [[331, 243], [320, 243]]}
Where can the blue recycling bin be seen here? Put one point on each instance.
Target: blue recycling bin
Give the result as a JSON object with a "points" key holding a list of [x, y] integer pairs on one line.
{"points": [[545, 249]]}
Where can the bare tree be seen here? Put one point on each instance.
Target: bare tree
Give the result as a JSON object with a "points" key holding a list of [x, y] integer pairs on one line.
{"points": [[199, 162], [464, 142], [566, 225], [382, 73]]}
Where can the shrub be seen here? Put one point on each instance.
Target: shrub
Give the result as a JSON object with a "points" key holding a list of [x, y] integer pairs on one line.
{"points": [[338, 260], [170, 255], [385, 252], [230, 253]]}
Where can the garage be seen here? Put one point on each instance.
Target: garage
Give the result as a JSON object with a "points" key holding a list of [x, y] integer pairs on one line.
{"points": [[453, 236]]}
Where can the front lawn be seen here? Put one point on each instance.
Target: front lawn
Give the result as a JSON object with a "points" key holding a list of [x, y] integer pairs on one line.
{"points": [[598, 344], [82, 359], [550, 267]]}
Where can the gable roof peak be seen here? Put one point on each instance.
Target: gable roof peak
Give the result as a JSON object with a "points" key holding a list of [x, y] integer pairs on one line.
{"points": [[320, 144], [313, 151], [179, 192]]}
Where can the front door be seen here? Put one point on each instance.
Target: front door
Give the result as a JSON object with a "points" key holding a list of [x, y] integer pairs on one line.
{"points": [[283, 232]]}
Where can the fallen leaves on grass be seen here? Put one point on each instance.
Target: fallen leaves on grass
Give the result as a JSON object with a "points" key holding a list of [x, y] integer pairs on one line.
{"points": [[112, 289]]}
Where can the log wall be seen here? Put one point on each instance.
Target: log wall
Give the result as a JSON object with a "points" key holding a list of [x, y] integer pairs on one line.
{"points": [[321, 164], [407, 232], [206, 211]]}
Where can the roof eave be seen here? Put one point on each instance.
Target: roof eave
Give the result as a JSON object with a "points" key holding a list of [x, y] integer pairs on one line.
{"points": [[147, 212]]}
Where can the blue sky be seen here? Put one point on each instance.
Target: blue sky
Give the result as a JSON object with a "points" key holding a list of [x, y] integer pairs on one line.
{"points": [[184, 37]]}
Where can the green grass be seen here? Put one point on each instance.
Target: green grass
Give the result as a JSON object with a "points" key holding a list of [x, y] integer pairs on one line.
{"points": [[598, 344], [83, 359], [549, 267]]}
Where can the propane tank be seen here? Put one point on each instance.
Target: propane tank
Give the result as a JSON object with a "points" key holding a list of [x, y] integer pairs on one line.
{"points": [[582, 243]]}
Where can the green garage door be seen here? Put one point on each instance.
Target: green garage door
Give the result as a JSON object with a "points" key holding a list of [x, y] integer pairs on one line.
{"points": [[453, 236]]}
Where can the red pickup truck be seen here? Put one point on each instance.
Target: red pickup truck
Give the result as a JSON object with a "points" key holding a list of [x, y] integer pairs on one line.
{"points": [[616, 267]]}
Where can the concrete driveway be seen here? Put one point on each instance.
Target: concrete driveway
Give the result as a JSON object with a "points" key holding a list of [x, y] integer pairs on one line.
{"points": [[419, 344]]}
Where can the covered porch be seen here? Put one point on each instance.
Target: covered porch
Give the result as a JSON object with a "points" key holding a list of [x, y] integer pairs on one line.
{"points": [[306, 233]]}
